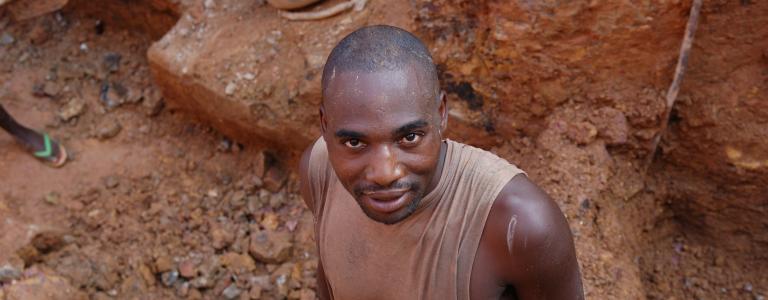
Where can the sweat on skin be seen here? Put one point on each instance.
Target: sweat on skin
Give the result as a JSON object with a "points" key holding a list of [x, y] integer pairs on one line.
{"points": [[401, 212]]}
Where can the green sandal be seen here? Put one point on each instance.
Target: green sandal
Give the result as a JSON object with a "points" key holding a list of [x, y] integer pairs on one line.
{"points": [[46, 154]]}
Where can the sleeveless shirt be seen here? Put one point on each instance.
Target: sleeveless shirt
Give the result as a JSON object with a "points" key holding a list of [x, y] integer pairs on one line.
{"points": [[428, 255]]}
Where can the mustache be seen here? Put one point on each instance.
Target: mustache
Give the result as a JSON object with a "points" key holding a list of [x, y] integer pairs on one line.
{"points": [[372, 187]]}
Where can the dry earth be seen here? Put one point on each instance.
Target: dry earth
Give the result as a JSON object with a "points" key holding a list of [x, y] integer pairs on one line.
{"points": [[184, 119]]}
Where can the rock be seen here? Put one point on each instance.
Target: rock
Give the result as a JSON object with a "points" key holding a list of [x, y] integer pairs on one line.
{"points": [[747, 287], [281, 278], [9, 273], [182, 289], [38, 89], [188, 268], [153, 101], [111, 62], [78, 269], [51, 89], [611, 125], [113, 94], [223, 283], [261, 281], [237, 199], [255, 292], [163, 264], [111, 182], [74, 108], [254, 203], [221, 236], [224, 145], [581, 132], [131, 287], [6, 39], [270, 221], [271, 246], [169, 278], [277, 200], [52, 198], [230, 88], [231, 292], [202, 282], [307, 294], [274, 179], [147, 275], [23, 10], [646, 134], [108, 130], [42, 287], [237, 262]]}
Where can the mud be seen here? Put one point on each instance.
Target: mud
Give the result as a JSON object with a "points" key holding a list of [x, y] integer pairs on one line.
{"points": [[184, 128]]}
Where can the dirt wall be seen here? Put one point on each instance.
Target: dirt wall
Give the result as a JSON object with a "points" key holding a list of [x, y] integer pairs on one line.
{"points": [[716, 153]]}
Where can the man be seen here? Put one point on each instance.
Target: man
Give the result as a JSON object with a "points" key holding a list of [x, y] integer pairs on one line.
{"points": [[402, 213], [38, 144]]}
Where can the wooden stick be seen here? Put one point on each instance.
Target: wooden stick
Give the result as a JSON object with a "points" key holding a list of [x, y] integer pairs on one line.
{"points": [[674, 88], [358, 5]]}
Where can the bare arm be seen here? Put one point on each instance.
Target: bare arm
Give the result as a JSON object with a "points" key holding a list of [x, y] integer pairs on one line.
{"points": [[322, 284], [531, 240]]}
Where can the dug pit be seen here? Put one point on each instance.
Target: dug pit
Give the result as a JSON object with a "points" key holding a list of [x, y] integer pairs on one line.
{"points": [[185, 118]]}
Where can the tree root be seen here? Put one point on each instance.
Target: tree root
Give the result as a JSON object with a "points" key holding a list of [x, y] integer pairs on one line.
{"points": [[357, 5], [674, 88]]}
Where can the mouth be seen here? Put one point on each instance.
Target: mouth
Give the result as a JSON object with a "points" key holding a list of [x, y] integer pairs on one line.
{"points": [[386, 201]]}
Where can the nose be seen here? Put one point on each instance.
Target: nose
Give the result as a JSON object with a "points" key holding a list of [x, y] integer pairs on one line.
{"points": [[384, 168]]}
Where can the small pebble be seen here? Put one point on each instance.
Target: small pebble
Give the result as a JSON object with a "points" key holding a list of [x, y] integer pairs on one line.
{"points": [[170, 277], [109, 130], [84, 47], [748, 287], [225, 145], [52, 198], [230, 88], [111, 182], [6, 39], [9, 273], [231, 292]]}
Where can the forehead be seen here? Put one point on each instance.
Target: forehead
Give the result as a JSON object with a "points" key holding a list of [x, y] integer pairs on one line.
{"points": [[386, 97]]}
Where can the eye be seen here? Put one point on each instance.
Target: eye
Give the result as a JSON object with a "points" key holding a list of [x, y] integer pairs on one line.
{"points": [[411, 138], [354, 144]]}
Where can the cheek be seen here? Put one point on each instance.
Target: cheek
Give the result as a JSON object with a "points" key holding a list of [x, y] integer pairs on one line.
{"points": [[425, 160], [347, 169]]}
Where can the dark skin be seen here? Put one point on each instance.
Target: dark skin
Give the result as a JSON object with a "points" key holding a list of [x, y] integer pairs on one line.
{"points": [[384, 131], [31, 140]]}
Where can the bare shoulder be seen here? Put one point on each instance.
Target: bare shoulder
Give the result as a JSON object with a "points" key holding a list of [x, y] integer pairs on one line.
{"points": [[306, 193], [531, 240]]}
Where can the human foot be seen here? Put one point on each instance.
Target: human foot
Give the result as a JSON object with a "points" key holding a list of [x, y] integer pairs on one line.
{"points": [[45, 148]]}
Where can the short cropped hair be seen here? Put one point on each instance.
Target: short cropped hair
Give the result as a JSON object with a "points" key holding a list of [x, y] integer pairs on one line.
{"points": [[379, 47]]}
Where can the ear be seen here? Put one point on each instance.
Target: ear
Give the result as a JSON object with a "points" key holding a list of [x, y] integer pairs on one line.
{"points": [[443, 111], [323, 124]]}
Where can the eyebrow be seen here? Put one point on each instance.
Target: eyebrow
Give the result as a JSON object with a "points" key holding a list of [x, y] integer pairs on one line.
{"points": [[407, 128], [402, 130], [349, 134]]}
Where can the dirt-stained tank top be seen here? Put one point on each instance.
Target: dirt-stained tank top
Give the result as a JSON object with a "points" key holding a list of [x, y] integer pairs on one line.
{"points": [[430, 254]]}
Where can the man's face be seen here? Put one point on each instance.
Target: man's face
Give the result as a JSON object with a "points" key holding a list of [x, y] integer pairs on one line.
{"points": [[383, 132]]}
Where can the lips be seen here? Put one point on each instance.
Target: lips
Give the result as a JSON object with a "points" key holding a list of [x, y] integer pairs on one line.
{"points": [[386, 201]]}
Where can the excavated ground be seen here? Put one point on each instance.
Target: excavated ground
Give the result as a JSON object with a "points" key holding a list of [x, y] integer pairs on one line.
{"points": [[184, 119]]}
